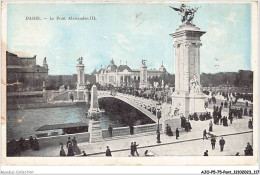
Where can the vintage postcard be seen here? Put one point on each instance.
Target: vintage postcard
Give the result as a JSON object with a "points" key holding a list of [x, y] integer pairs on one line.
{"points": [[129, 83]]}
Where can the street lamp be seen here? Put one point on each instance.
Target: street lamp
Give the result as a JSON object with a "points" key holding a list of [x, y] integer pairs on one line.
{"points": [[158, 115]]}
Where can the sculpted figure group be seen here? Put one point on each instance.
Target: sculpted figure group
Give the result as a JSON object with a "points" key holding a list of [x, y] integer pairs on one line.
{"points": [[187, 13], [194, 85]]}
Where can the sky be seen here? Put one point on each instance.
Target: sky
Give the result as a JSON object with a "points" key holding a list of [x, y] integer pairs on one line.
{"points": [[127, 33]]}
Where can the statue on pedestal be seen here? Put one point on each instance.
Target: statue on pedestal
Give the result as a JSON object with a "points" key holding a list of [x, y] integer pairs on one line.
{"points": [[143, 62], [80, 60], [187, 13]]}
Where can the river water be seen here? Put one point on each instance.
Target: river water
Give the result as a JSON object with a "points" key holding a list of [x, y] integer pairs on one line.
{"points": [[24, 123]]}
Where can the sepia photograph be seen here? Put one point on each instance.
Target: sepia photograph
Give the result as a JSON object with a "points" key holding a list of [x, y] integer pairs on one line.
{"points": [[125, 81]]}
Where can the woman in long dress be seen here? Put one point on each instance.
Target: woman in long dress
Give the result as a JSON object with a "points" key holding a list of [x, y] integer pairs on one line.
{"points": [[70, 150], [75, 146], [62, 152], [210, 126]]}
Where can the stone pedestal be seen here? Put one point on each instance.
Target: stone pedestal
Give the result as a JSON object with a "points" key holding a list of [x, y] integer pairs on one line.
{"points": [[197, 103], [187, 66], [95, 131], [81, 85], [181, 101], [143, 76]]}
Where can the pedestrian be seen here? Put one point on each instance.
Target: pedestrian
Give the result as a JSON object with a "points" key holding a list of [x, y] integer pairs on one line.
{"points": [[168, 130], [205, 134], [31, 141], [68, 142], [177, 133], [21, 144], [132, 149], [213, 142], [248, 150], [75, 146], [183, 121], [230, 117], [245, 112], [189, 126], [110, 130], [108, 152], [83, 153], [135, 148], [148, 154], [221, 120], [250, 112], [206, 153], [70, 149], [131, 129], [222, 143], [250, 124], [210, 126], [62, 152], [36, 144]]}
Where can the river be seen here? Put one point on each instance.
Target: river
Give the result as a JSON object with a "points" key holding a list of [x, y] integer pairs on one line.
{"points": [[24, 123]]}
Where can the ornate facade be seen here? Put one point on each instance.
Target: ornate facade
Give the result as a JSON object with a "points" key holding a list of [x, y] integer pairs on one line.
{"points": [[123, 75], [24, 74]]}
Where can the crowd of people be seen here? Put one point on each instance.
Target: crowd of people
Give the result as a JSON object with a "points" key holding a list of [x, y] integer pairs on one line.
{"points": [[133, 148], [213, 141], [185, 124], [14, 147], [170, 133], [237, 113], [157, 94], [72, 147], [234, 95], [201, 117]]}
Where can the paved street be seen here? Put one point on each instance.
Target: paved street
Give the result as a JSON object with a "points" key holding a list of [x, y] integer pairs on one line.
{"points": [[189, 143]]}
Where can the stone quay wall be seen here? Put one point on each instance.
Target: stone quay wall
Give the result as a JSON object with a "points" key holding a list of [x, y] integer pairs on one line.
{"points": [[84, 137], [121, 131], [56, 140]]}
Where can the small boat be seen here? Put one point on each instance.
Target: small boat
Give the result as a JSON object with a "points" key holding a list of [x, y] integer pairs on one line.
{"points": [[61, 129]]}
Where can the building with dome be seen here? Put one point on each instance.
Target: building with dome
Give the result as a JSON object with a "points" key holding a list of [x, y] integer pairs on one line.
{"points": [[124, 76]]}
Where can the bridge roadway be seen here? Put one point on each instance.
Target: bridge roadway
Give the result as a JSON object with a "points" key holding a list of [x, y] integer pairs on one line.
{"points": [[137, 102]]}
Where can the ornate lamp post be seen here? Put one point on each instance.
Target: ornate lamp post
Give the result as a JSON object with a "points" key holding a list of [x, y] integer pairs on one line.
{"points": [[158, 115]]}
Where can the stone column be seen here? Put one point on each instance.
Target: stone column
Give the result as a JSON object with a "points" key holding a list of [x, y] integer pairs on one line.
{"points": [[143, 75], [176, 65], [80, 76], [197, 61], [94, 99], [187, 60], [186, 68]]}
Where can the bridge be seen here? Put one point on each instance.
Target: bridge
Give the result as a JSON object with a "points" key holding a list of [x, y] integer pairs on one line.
{"points": [[143, 105], [146, 106]]}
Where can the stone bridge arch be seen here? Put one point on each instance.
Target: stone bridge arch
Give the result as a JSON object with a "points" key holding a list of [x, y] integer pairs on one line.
{"points": [[129, 102]]}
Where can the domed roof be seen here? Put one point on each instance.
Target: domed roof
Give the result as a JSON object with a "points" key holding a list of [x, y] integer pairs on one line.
{"points": [[111, 67], [162, 68]]}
